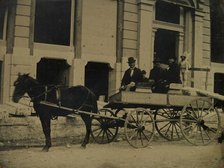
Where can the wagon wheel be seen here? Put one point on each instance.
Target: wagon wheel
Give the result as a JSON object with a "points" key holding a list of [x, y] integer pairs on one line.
{"points": [[104, 129], [199, 122], [167, 124], [139, 128]]}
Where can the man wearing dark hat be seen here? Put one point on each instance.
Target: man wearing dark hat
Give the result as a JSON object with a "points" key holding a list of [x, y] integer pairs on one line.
{"points": [[131, 77], [157, 77]]}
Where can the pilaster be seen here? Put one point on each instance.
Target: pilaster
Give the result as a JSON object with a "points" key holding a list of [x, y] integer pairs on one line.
{"points": [[78, 30], [198, 48], [145, 40], [77, 75], [120, 25]]}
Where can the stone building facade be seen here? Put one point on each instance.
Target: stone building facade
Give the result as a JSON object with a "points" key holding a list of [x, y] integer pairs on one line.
{"points": [[88, 42]]}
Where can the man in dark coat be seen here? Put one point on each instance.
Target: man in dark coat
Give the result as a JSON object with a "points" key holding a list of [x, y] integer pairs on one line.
{"points": [[157, 77], [173, 73], [131, 77]]}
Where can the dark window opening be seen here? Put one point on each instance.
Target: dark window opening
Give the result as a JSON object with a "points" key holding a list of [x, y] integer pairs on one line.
{"points": [[218, 87], [217, 31], [165, 45], [53, 72], [52, 22], [96, 78], [167, 12]]}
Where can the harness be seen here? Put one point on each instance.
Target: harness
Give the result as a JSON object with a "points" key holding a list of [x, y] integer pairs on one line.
{"points": [[57, 89]]}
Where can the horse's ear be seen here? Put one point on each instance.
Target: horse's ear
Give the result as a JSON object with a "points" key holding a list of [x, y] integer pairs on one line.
{"points": [[19, 74]]}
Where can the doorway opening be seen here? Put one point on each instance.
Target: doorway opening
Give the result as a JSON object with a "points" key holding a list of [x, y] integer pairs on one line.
{"points": [[53, 72], [166, 44], [218, 88], [96, 79]]}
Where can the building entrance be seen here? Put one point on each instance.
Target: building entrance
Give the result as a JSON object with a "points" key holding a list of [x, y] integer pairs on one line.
{"points": [[96, 79]]}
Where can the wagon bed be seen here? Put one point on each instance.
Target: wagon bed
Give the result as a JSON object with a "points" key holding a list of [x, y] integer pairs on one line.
{"points": [[127, 99]]}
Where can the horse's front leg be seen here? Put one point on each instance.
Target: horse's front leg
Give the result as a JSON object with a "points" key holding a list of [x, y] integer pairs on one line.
{"points": [[45, 119], [87, 120]]}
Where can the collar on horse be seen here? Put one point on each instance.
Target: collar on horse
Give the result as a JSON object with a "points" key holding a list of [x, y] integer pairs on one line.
{"points": [[45, 92]]}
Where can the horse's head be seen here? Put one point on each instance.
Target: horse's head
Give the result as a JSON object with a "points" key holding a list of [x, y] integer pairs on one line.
{"points": [[21, 86]]}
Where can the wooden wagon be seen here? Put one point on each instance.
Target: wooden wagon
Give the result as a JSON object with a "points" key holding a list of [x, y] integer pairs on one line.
{"points": [[181, 113]]}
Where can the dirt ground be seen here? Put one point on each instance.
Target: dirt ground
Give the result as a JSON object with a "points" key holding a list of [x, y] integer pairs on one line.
{"points": [[160, 154]]}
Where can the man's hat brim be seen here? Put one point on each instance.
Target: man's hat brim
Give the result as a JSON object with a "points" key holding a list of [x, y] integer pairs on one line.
{"points": [[131, 60]]}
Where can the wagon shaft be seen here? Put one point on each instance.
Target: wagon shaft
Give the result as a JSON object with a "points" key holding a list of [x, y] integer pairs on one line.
{"points": [[77, 111]]}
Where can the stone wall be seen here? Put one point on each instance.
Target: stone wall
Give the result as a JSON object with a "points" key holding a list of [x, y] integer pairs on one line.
{"points": [[18, 129]]}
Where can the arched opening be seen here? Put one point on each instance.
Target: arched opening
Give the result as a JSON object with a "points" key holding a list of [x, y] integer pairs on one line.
{"points": [[53, 71], [96, 79]]}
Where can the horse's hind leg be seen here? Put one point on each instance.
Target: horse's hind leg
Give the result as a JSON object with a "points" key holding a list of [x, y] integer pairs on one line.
{"points": [[87, 120], [46, 126]]}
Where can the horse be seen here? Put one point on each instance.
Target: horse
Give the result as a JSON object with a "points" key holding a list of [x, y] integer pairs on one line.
{"points": [[79, 98]]}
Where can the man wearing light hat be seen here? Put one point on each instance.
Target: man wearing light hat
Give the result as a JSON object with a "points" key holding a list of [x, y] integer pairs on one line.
{"points": [[131, 77], [184, 67]]}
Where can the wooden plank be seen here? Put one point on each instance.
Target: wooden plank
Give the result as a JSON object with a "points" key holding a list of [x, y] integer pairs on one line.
{"points": [[199, 69], [205, 93], [147, 98], [181, 100], [139, 98]]}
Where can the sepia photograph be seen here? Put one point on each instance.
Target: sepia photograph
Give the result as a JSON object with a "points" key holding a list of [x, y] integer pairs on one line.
{"points": [[111, 83]]}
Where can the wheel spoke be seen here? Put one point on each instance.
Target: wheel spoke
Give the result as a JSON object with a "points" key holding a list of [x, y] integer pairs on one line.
{"points": [[202, 138], [103, 137], [145, 136], [94, 130], [168, 129], [164, 127], [108, 138], [134, 120], [176, 131], [133, 135]]}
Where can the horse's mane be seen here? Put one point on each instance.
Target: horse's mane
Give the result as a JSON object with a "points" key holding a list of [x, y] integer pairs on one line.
{"points": [[34, 80]]}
